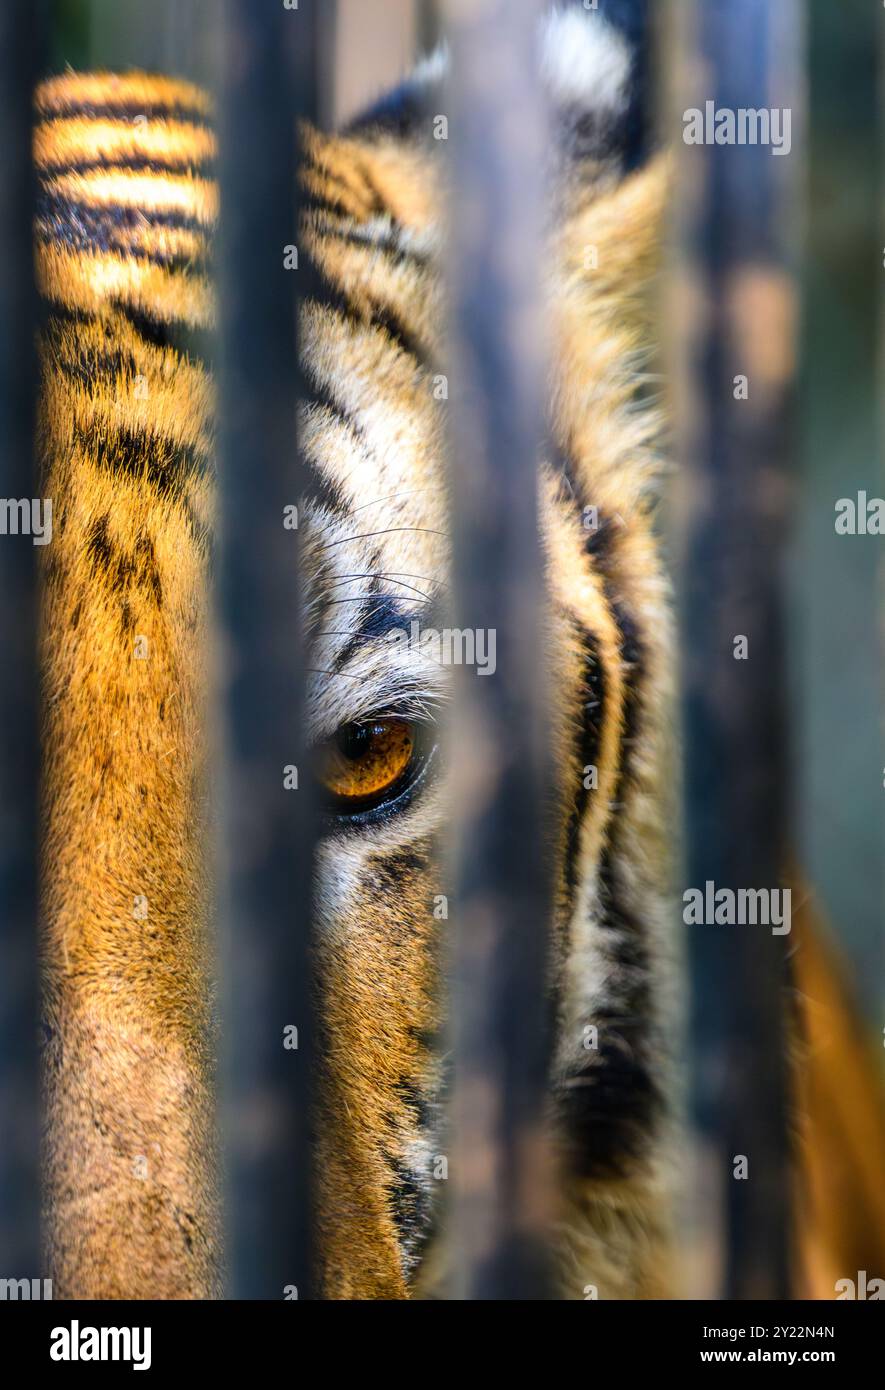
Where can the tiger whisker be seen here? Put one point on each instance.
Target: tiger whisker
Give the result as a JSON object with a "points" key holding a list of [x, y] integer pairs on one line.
{"points": [[407, 492], [362, 598], [323, 671], [392, 577], [388, 531]]}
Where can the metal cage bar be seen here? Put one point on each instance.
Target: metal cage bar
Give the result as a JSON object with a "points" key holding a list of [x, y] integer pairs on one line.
{"points": [[19, 750], [268, 849], [499, 737], [736, 294]]}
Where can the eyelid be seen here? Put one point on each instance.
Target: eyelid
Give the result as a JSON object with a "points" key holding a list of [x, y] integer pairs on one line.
{"points": [[357, 819]]}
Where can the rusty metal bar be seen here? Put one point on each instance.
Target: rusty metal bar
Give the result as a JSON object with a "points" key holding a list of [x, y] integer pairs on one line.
{"points": [[501, 761], [736, 293], [268, 848], [19, 749]]}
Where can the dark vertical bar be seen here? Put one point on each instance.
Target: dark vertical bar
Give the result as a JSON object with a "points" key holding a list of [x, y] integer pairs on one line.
{"points": [[325, 39], [737, 293], [499, 746], [19, 755], [268, 847], [428, 25]]}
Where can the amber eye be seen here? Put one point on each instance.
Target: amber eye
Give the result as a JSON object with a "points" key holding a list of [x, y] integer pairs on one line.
{"points": [[363, 763]]}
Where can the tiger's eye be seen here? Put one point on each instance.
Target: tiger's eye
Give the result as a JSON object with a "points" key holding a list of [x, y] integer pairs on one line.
{"points": [[363, 761]]}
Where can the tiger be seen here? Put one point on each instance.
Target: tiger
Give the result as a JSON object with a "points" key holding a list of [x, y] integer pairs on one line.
{"points": [[126, 217]]}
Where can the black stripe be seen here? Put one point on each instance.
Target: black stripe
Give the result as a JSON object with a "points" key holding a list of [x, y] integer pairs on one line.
{"points": [[69, 219], [378, 617], [390, 320], [128, 111], [124, 568], [592, 694], [610, 1107], [323, 491], [386, 240], [602, 541], [68, 313], [331, 182], [166, 465], [328, 202], [54, 314], [410, 1207], [196, 344], [88, 363], [601, 545], [91, 367], [388, 872], [92, 370], [99, 547], [131, 164], [632, 656], [423, 1105], [199, 264], [370, 315], [320, 395]]}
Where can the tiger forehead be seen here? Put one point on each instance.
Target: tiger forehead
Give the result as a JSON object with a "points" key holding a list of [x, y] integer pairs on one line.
{"points": [[375, 575], [375, 540]]}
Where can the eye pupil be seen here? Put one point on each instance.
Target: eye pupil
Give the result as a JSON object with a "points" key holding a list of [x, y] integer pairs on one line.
{"points": [[354, 740]]}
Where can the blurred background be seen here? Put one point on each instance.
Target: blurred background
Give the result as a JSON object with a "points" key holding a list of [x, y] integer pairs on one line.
{"points": [[373, 43], [837, 580]]}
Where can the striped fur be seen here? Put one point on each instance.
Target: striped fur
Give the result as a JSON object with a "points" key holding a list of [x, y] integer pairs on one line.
{"points": [[127, 205], [126, 201]]}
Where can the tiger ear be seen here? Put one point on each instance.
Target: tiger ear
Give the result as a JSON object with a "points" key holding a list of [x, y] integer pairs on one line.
{"points": [[611, 197], [611, 188], [593, 63]]}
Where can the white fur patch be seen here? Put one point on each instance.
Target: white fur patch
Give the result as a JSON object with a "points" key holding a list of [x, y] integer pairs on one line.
{"points": [[585, 61], [433, 68]]}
